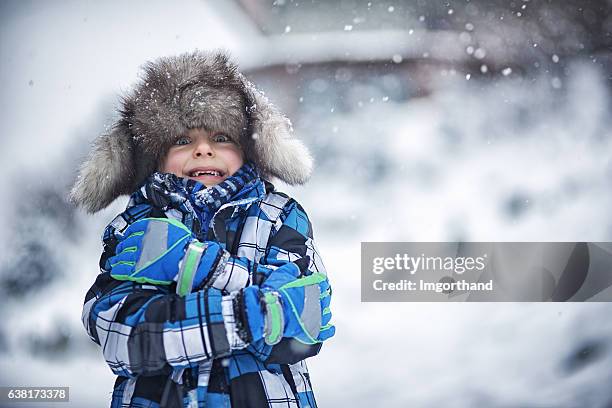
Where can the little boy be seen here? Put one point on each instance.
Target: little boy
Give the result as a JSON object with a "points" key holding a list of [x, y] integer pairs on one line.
{"points": [[211, 290]]}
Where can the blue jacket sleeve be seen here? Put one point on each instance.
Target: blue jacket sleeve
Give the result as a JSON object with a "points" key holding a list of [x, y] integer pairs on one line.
{"points": [[144, 329]]}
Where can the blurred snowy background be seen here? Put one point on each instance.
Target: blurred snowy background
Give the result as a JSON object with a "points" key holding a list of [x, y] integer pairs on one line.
{"points": [[481, 120]]}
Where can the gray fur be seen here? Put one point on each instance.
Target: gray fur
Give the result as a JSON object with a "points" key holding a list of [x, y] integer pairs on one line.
{"points": [[107, 173], [175, 94]]}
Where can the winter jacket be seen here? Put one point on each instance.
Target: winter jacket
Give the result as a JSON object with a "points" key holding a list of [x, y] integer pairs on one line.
{"points": [[175, 351]]}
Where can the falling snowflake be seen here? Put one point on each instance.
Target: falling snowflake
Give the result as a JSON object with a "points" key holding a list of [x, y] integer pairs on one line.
{"points": [[480, 53]]}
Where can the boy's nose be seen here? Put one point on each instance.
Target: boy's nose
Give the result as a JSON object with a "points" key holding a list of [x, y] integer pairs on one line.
{"points": [[203, 148]]}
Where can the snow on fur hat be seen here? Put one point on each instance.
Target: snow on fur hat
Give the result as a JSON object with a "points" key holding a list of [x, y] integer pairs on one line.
{"points": [[175, 94]]}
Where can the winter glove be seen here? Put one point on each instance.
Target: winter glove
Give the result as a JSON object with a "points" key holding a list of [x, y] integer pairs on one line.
{"points": [[288, 306], [162, 250]]}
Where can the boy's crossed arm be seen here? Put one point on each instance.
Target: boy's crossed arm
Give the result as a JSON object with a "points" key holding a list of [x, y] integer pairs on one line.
{"points": [[142, 327]]}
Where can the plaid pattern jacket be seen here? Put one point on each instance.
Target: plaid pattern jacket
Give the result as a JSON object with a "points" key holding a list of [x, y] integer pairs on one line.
{"points": [[195, 351]]}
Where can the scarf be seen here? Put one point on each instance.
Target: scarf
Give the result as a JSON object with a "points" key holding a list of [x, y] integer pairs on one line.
{"points": [[192, 202]]}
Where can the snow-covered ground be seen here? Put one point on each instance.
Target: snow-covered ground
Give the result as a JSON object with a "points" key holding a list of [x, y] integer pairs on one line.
{"points": [[505, 160]]}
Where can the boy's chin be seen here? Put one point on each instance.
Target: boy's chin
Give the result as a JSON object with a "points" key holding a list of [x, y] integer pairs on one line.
{"points": [[208, 181]]}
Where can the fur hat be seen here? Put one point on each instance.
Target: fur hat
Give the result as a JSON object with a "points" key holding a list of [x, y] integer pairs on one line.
{"points": [[175, 94]]}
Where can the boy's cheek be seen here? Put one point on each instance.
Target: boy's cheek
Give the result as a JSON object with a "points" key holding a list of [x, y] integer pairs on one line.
{"points": [[169, 165]]}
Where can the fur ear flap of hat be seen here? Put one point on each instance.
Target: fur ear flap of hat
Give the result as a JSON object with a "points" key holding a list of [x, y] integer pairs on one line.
{"points": [[276, 152], [192, 90], [107, 173]]}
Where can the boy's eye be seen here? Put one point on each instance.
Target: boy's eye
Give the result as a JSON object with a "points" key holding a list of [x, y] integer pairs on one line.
{"points": [[221, 138], [182, 141]]}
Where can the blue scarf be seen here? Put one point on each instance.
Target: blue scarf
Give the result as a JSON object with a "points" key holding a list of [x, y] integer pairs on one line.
{"points": [[195, 203]]}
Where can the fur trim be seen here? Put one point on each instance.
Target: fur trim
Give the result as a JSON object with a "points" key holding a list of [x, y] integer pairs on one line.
{"points": [[276, 152], [107, 173], [175, 94]]}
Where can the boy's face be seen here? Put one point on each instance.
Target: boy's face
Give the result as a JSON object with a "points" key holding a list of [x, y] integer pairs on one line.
{"points": [[207, 157]]}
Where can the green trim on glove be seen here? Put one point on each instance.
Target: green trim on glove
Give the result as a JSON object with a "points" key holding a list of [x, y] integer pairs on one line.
{"points": [[325, 294], [172, 221], [309, 281], [140, 279], [159, 232], [274, 318], [189, 267], [151, 251], [312, 279], [327, 326]]}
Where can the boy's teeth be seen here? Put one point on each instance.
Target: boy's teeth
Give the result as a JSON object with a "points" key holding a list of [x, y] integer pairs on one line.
{"points": [[207, 172]]}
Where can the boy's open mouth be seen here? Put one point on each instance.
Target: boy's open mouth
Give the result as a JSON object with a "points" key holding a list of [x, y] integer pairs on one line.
{"points": [[205, 171]]}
